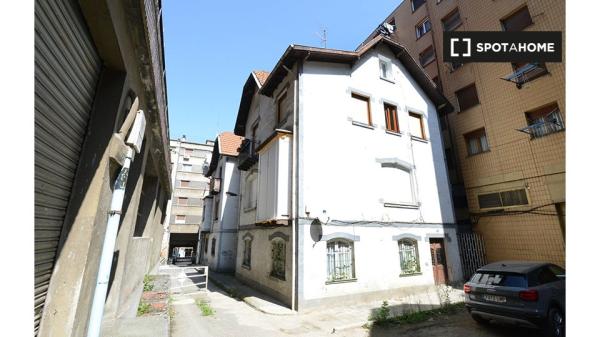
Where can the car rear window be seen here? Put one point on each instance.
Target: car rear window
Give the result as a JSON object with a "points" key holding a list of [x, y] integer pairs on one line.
{"points": [[500, 279]]}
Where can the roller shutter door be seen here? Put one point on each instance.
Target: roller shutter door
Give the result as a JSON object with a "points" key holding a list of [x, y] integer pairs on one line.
{"points": [[67, 68]]}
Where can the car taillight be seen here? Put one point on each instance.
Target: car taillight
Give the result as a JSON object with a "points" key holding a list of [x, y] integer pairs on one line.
{"points": [[528, 295], [467, 288]]}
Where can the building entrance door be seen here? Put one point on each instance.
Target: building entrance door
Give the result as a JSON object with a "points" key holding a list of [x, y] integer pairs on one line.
{"points": [[438, 261]]}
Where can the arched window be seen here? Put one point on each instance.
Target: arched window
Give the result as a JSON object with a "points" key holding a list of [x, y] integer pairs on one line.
{"points": [[340, 260], [278, 259], [409, 257]]}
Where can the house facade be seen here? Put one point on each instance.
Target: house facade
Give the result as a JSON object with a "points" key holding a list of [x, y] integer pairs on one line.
{"points": [[218, 235], [311, 233], [505, 140]]}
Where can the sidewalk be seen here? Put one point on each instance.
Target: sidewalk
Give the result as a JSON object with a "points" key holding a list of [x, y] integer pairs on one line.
{"points": [[251, 296]]}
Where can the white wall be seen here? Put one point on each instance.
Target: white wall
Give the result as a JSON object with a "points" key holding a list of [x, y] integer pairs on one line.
{"points": [[342, 177]]}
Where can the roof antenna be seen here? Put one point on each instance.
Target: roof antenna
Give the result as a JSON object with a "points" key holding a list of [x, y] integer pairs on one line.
{"points": [[323, 37]]}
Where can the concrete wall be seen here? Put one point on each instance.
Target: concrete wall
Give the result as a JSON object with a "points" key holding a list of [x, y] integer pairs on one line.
{"points": [[258, 274]]}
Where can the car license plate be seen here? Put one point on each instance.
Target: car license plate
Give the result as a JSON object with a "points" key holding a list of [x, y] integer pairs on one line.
{"points": [[494, 298]]}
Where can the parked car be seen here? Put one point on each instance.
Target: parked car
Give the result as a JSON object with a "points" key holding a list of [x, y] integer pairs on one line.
{"points": [[530, 294]]}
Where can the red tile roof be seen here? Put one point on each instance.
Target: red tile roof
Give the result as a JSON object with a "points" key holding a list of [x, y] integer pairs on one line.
{"points": [[261, 76], [229, 143]]}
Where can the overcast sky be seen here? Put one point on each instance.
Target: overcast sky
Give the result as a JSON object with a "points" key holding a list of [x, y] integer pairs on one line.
{"points": [[212, 46]]}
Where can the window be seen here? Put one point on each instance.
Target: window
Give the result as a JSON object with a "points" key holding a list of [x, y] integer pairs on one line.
{"points": [[451, 21], [281, 107], [427, 56], [205, 244], [385, 69], [216, 210], [476, 142], [251, 191], [422, 28], [213, 247], [517, 21], [278, 259], [340, 260], [186, 167], [500, 279], [187, 152], [467, 97], [455, 65], [180, 219], [360, 109], [544, 121], [415, 125], [184, 183], [182, 201], [409, 257], [503, 199], [247, 253], [415, 4], [186, 159], [524, 72], [391, 117], [399, 189]]}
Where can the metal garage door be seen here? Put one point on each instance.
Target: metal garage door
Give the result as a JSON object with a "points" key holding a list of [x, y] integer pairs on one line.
{"points": [[66, 73]]}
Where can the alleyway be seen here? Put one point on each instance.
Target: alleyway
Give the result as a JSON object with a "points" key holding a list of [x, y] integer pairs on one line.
{"points": [[233, 318]]}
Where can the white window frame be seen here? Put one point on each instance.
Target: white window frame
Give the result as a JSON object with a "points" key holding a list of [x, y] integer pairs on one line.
{"points": [[420, 28], [251, 191], [389, 75], [408, 168]]}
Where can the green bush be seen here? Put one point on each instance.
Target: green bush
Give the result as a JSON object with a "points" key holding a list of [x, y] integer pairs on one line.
{"points": [[143, 308], [205, 307], [148, 285], [382, 314]]}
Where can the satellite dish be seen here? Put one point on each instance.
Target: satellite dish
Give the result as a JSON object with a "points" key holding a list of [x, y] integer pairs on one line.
{"points": [[316, 230]]}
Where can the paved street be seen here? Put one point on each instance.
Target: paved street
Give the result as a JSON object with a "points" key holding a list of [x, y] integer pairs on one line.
{"points": [[233, 318]]}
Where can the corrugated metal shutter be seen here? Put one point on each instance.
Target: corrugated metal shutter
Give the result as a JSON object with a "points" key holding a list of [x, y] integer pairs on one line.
{"points": [[67, 67]]}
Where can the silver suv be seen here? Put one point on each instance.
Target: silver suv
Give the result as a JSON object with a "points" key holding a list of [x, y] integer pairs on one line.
{"points": [[530, 294]]}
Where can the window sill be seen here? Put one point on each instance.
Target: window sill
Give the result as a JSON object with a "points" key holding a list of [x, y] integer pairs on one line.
{"points": [[393, 133], [469, 108], [428, 63], [342, 281], [478, 153], [419, 139], [246, 267], [276, 278], [249, 209], [427, 32], [363, 125], [412, 274], [387, 79], [401, 205]]}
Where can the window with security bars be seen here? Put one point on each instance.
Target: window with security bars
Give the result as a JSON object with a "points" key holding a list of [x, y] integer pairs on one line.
{"points": [[503, 199], [340, 260], [409, 257], [278, 259], [247, 253]]}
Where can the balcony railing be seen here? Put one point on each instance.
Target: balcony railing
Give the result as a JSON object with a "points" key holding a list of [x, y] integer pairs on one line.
{"points": [[248, 155], [546, 125], [526, 73]]}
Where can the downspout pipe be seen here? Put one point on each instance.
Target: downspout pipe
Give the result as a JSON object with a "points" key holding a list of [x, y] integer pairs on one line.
{"points": [[112, 228], [133, 144]]}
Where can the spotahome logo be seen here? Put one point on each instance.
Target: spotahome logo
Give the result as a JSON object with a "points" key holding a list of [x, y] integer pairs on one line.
{"points": [[502, 47]]}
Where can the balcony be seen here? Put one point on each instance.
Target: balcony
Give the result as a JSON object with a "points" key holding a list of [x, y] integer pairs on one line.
{"points": [[215, 185], [247, 156], [526, 73], [545, 125]]}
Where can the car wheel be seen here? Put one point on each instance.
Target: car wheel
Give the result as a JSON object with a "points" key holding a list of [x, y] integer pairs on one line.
{"points": [[555, 323], [480, 320]]}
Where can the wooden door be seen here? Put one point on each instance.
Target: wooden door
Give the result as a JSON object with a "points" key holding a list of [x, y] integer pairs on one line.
{"points": [[438, 260]]}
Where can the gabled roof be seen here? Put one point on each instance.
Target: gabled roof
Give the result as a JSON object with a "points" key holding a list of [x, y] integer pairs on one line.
{"points": [[254, 82], [226, 144], [295, 53]]}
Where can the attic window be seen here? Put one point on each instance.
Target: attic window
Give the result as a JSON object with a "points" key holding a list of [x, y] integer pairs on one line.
{"points": [[385, 69]]}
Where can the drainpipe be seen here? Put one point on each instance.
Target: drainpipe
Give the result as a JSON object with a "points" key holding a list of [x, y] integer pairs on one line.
{"points": [[134, 143]]}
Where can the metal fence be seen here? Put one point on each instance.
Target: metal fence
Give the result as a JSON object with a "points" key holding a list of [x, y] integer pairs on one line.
{"points": [[472, 253]]}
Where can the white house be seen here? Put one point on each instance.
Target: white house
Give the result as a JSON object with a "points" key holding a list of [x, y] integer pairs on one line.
{"points": [[344, 190], [218, 233]]}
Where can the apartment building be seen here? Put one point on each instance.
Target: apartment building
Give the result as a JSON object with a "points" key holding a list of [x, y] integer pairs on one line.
{"points": [[184, 210], [344, 194], [94, 74], [505, 142], [220, 222]]}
